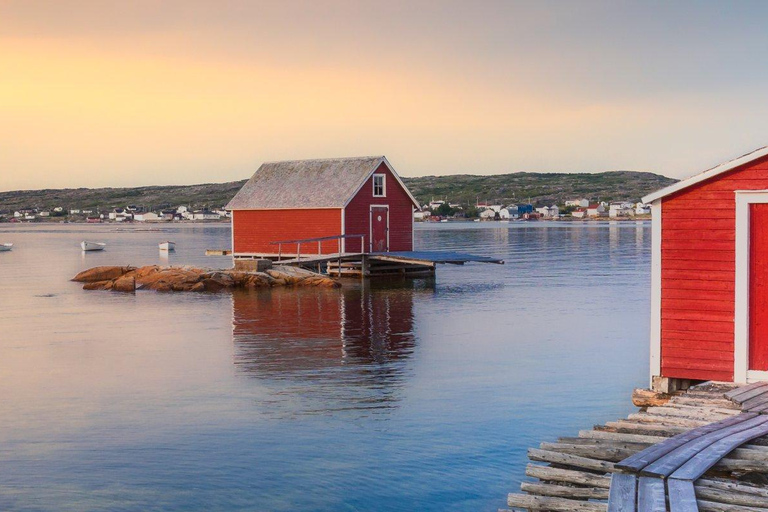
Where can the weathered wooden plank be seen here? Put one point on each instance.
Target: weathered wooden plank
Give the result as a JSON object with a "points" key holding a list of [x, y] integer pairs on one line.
{"points": [[555, 504], [550, 474], [709, 456], [682, 497], [739, 395], [732, 485], [564, 491], [742, 465], [641, 460], [696, 441], [709, 506], [570, 460], [635, 427], [667, 420], [761, 408], [623, 493], [608, 453], [620, 436], [754, 402], [651, 495], [605, 443], [728, 496]]}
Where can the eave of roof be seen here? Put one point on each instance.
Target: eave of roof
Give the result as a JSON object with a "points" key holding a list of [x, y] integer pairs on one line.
{"points": [[709, 173]]}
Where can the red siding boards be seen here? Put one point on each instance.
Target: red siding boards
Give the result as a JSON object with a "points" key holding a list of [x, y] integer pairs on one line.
{"points": [[254, 230], [758, 286], [698, 273], [357, 213]]}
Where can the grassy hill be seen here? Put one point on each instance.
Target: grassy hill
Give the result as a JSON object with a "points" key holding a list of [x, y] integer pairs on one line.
{"points": [[104, 199], [539, 188]]}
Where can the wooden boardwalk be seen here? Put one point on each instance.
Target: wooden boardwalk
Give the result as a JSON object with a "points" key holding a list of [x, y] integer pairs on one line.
{"points": [[698, 451]]}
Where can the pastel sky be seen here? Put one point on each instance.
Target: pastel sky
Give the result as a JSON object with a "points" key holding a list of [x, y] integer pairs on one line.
{"points": [[115, 93]]}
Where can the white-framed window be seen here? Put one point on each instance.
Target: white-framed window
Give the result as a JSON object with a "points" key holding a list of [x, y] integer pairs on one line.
{"points": [[379, 185]]}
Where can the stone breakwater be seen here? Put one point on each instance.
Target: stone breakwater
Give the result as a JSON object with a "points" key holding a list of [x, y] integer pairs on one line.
{"points": [[194, 279]]}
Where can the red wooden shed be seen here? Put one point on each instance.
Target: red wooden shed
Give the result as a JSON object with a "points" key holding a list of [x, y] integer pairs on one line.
{"points": [[309, 199], [709, 311]]}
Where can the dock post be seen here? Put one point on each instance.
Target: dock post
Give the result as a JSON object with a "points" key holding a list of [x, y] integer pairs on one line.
{"points": [[365, 269]]}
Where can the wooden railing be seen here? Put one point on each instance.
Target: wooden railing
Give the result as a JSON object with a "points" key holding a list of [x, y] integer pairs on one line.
{"points": [[319, 244]]}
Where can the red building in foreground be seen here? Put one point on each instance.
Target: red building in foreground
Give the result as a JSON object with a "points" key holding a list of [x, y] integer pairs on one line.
{"points": [[710, 275], [304, 199]]}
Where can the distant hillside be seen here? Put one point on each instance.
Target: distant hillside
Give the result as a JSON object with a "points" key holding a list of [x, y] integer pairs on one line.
{"points": [[539, 188], [199, 196]]}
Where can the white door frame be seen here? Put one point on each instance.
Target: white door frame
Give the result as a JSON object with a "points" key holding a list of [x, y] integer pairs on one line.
{"points": [[370, 225], [741, 371]]}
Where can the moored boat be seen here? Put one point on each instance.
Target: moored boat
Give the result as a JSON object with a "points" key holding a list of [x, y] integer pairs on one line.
{"points": [[5, 247], [92, 246], [168, 246]]}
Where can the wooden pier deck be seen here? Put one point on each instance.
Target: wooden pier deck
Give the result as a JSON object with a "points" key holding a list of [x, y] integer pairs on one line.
{"points": [[407, 263], [705, 449]]}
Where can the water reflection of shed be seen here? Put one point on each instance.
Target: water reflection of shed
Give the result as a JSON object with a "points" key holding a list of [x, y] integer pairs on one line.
{"points": [[345, 348]]}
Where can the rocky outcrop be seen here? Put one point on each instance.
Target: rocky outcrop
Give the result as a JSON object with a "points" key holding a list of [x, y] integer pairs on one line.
{"points": [[194, 279]]}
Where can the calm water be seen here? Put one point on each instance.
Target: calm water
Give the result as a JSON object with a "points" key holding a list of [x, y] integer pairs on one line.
{"points": [[416, 396]]}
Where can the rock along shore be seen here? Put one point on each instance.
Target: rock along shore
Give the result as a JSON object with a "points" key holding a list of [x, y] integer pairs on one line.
{"points": [[194, 279]]}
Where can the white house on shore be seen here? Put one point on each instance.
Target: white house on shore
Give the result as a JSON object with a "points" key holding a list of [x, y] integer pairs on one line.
{"points": [[642, 209], [578, 203], [621, 209], [205, 215], [146, 217], [595, 210], [579, 213], [549, 212]]}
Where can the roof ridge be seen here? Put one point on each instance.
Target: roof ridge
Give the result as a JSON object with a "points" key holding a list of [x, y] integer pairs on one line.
{"points": [[323, 159]]}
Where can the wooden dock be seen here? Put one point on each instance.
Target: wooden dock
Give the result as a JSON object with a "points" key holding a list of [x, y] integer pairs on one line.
{"points": [[705, 449], [377, 264]]}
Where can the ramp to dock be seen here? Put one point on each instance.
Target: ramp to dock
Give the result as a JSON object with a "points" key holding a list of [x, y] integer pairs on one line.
{"points": [[433, 257]]}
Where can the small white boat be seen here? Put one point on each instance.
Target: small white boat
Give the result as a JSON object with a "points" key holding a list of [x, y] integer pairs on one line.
{"points": [[168, 246], [5, 247], [92, 246]]}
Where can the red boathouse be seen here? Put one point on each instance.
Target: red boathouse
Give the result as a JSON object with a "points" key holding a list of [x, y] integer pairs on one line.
{"points": [[310, 199], [709, 311]]}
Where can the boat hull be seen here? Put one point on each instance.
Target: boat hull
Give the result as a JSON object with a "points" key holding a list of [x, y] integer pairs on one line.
{"points": [[92, 246], [168, 246]]}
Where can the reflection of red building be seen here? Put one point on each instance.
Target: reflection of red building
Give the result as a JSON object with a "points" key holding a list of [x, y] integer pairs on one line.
{"points": [[323, 334]]}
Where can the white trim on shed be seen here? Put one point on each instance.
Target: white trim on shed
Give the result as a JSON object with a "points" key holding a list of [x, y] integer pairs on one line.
{"points": [[710, 173]]}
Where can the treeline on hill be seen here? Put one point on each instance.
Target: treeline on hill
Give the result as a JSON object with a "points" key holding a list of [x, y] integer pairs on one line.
{"points": [[522, 187]]}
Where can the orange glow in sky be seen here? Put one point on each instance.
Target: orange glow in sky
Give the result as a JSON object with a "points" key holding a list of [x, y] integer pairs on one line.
{"points": [[109, 94]]}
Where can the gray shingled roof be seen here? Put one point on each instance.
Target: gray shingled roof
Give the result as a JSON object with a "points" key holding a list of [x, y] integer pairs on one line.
{"points": [[328, 183]]}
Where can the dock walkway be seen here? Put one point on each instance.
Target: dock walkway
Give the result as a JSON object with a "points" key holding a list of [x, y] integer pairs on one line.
{"points": [[691, 453], [413, 263]]}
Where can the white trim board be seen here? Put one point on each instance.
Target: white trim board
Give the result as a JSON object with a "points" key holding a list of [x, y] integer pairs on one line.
{"points": [[741, 372], [655, 356], [710, 173]]}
